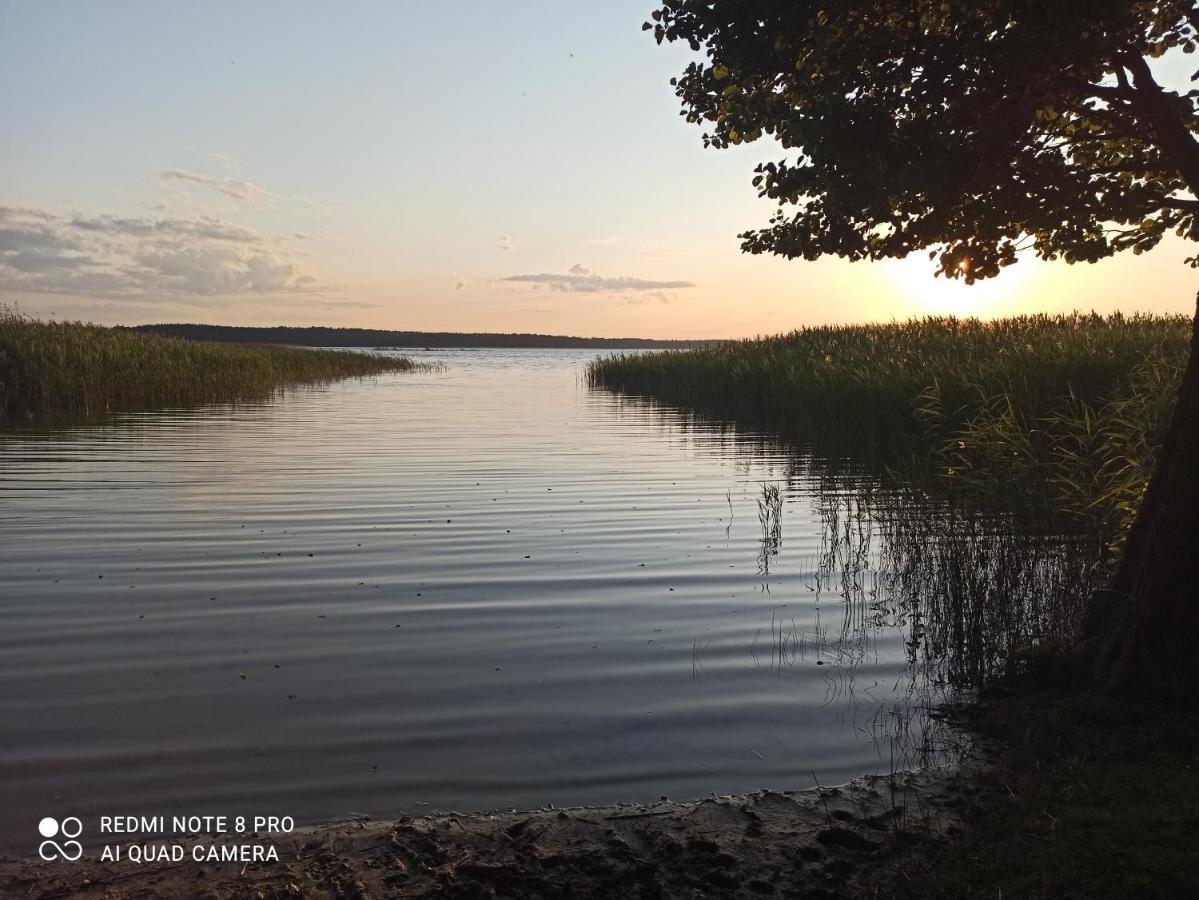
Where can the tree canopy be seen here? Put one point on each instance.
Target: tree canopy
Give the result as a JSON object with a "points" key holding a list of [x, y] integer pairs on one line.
{"points": [[972, 129]]}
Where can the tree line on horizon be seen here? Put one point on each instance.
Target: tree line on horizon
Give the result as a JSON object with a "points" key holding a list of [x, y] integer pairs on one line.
{"points": [[326, 336]]}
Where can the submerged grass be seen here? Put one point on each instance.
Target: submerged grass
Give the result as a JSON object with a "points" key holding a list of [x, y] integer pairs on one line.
{"points": [[1066, 410], [71, 367]]}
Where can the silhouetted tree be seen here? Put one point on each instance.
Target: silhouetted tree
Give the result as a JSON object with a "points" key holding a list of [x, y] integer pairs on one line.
{"points": [[974, 129]]}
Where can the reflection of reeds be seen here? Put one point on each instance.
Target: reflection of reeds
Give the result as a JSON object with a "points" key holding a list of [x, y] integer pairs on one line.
{"points": [[974, 594], [697, 656], [789, 645]]}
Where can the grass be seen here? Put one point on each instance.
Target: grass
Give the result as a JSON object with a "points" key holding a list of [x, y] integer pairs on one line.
{"points": [[1067, 411], [1084, 796], [75, 368], [770, 517]]}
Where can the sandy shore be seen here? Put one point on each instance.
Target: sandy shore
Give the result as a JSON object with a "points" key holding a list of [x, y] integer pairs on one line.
{"points": [[835, 842]]}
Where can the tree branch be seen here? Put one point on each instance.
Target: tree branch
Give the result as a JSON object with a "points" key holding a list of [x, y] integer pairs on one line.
{"points": [[1107, 92], [1179, 203], [1121, 75], [1192, 16], [1172, 134]]}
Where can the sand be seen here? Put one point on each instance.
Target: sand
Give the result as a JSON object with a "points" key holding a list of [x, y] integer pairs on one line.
{"points": [[833, 842]]}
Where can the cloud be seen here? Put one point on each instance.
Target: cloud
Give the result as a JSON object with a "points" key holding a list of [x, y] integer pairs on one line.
{"points": [[662, 298], [235, 189], [578, 279], [123, 257], [459, 281], [506, 242], [228, 160]]}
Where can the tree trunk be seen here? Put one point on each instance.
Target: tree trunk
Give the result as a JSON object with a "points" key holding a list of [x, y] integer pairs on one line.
{"points": [[1145, 626]]}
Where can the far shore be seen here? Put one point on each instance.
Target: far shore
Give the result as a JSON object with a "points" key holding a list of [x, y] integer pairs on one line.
{"points": [[376, 338]]}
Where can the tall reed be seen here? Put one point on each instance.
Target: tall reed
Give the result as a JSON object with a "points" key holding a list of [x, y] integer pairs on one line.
{"points": [[1066, 409], [71, 367]]}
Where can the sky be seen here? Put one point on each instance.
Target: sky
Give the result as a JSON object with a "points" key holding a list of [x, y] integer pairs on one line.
{"points": [[463, 166]]}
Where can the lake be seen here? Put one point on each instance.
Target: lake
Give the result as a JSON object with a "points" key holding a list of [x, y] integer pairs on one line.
{"points": [[480, 587]]}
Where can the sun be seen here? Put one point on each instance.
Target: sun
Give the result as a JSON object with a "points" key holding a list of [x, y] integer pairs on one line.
{"points": [[922, 293]]}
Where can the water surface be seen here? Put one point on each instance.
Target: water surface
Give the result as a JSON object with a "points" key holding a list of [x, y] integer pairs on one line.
{"points": [[481, 587]]}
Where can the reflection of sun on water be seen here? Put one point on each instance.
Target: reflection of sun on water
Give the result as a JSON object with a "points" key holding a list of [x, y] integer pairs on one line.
{"points": [[927, 295]]}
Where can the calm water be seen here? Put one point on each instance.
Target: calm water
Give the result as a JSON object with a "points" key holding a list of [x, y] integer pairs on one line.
{"points": [[475, 588]]}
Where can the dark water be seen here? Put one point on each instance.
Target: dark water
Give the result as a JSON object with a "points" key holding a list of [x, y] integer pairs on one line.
{"points": [[476, 588]]}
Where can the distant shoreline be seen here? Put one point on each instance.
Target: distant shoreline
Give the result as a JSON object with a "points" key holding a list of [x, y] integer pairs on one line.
{"points": [[318, 336]]}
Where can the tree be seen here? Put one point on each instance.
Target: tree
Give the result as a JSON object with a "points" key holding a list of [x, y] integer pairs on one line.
{"points": [[974, 130]]}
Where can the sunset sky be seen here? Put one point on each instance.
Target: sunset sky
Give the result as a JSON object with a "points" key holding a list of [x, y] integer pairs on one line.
{"points": [[451, 166]]}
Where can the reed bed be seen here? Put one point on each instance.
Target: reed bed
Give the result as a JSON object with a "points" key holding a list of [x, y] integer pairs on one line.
{"points": [[76, 368], [1066, 410]]}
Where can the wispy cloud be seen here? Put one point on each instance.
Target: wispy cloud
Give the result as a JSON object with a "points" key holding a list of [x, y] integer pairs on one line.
{"points": [[662, 298], [506, 242], [459, 281], [235, 189], [578, 279], [644, 248], [116, 256], [228, 160]]}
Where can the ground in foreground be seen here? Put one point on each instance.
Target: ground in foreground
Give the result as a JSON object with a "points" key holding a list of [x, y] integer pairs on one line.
{"points": [[797, 844], [1083, 796], [1072, 795]]}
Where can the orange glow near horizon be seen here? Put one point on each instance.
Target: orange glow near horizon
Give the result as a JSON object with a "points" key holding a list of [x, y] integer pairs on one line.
{"points": [[928, 294]]}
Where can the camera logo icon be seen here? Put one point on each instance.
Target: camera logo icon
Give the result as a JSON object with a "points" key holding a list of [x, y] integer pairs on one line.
{"points": [[68, 828]]}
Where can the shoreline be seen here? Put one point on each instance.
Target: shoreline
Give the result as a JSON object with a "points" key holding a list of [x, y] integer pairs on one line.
{"points": [[820, 842]]}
